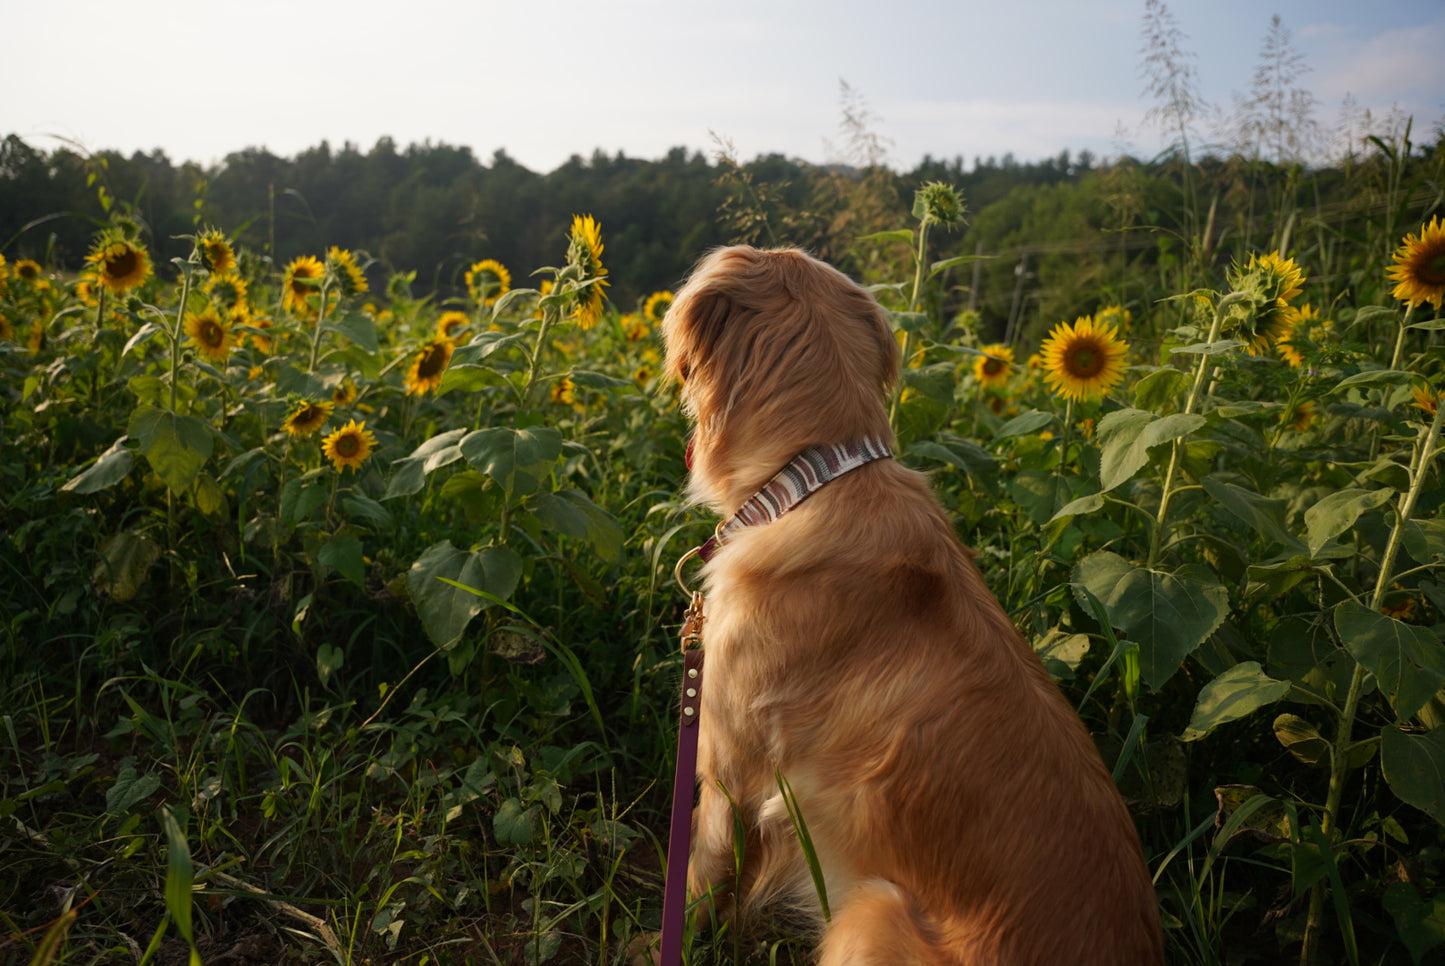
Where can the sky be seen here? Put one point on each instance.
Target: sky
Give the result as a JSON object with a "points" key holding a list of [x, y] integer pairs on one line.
{"points": [[546, 79]]}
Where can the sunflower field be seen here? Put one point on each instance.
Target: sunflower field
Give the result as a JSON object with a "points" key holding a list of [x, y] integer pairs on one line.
{"points": [[340, 623]]}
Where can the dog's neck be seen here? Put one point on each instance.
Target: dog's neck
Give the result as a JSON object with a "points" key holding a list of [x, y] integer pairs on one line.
{"points": [[804, 475]]}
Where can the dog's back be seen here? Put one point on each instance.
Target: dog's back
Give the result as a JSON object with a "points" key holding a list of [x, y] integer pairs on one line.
{"points": [[958, 807], [948, 787]]}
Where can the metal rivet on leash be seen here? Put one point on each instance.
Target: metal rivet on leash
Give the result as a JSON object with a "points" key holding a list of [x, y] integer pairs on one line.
{"points": [[674, 901]]}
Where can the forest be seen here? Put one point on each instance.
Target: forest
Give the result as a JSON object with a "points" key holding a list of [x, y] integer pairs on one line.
{"points": [[434, 209]]}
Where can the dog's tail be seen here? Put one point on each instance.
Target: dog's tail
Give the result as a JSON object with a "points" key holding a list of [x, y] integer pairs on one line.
{"points": [[879, 924]]}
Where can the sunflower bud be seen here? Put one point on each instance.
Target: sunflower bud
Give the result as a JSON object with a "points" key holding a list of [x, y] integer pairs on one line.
{"points": [[937, 203]]}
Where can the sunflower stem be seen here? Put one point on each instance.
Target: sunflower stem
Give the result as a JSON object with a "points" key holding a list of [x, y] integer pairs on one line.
{"points": [[1161, 520], [919, 257], [176, 332], [1400, 336], [1394, 364], [1424, 454], [549, 318], [316, 334]]}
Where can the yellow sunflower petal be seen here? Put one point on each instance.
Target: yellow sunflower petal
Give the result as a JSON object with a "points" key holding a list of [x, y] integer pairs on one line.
{"points": [[1083, 360], [1419, 269], [349, 446]]}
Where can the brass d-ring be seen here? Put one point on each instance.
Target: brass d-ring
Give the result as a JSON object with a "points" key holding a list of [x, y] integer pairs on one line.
{"points": [[677, 571]]}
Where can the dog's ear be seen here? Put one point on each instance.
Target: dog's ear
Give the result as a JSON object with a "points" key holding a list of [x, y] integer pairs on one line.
{"points": [[698, 318], [706, 319]]}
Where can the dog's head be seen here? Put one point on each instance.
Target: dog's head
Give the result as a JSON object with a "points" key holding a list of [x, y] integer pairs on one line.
{"points": [[776, 351]]}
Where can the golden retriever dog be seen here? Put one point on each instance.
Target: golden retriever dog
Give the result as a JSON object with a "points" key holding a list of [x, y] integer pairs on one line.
{"points": [[957, 807]]}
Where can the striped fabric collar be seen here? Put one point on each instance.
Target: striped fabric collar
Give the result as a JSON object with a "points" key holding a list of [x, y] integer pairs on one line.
{"points": [[804, 475]]}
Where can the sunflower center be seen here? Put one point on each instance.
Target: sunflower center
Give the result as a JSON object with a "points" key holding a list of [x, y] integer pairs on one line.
{"points": [[431, 362], [1432, 268], [992, 367], [1085, 360], [120, 264], [348, 445], [212, 333]]}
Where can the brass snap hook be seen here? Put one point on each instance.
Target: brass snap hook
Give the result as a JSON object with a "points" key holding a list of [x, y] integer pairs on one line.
{"points": [[677, 571]]}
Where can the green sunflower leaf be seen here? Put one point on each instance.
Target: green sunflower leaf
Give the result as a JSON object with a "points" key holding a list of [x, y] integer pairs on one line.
{"points": [[1338, 511], [445, 608], [1236, 693], [517, 459], [1168, 614], [1127, 435], [109, 469], [1408, 661], [175, 446]]}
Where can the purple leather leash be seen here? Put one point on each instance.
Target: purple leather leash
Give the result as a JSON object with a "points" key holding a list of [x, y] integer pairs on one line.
{"points": [[684, 780]]}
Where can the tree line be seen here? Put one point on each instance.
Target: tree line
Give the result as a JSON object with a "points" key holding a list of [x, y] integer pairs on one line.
{"points": [[1061, 232]]}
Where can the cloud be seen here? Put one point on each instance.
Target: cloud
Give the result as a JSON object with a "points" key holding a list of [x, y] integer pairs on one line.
{"points": [[1395, 66]]}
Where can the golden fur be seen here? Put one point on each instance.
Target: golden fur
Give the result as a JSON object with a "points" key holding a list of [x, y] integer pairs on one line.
{"points": [[959, 809]]}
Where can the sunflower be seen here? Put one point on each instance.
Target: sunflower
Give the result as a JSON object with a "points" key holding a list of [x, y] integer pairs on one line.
{"points": [[1113, 315], [308, 418], [1270, 281], [564, 392], [27, 269], [1425, 400], [1301, 417], [226, 289], [1280, 274], [1404, 610], [263, 343], [349, 446], [300, 280], [584, 251], [649, 360], [7, 330], [1302, 327], [85, 290], [635, 327], [1000, 406], [344, 394], [216, 253], [656, 307], [993, 368], [450, 322], [487, 281], [120, 264], [1084, 359], [427, 368], [1419, 269], [341, 266], [238, 318], [210, 334]]}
